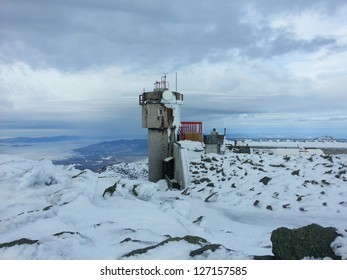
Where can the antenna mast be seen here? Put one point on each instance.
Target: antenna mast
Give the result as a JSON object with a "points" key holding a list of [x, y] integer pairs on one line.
{"points": [[176, 81]]}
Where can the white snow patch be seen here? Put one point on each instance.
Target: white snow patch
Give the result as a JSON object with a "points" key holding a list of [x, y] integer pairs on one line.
{"points": [[65, 211], [146, 191]]}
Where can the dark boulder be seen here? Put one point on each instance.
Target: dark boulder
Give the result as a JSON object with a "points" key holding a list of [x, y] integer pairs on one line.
{"points": [[309, 241], [22, 241], [200, 251], [110, 190], [265, 180]]}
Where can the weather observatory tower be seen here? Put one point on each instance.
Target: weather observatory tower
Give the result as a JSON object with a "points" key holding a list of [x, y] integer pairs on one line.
{"points": [[161, 110]]}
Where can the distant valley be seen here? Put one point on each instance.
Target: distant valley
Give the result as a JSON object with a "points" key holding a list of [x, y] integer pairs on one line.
{"points": [[83, 153], [99, 155]]}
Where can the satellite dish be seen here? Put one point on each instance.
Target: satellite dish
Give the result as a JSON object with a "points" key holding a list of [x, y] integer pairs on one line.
{"points": [[168, 95]]}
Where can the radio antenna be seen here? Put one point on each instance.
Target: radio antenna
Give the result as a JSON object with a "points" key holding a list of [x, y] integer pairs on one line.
{"points": [[176, 81]]}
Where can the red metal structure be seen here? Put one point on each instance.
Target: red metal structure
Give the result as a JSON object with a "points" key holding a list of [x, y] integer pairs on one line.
{"points": [[191, 131]]}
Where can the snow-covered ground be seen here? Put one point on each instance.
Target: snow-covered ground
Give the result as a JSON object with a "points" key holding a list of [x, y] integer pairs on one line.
{"points": [[232, 205], [331, 143]]}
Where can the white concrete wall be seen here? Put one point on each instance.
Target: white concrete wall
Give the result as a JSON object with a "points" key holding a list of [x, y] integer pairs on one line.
{"points": [[181, 166]]}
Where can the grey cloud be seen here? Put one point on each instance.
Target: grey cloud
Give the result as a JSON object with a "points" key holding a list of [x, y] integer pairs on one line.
{"points": [[284, 42], [78, 34], [297, 6], [282, 104], [104, 118], [195, 37]]}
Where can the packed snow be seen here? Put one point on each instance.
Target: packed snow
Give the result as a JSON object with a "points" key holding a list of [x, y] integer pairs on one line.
{"points": [[228, 211], [310, 143]]}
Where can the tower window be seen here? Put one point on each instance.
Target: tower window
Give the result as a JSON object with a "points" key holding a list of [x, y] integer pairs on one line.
{"points": [[160, 112]]}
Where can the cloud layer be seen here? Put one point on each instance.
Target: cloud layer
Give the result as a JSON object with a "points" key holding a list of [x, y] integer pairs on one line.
{"points": [[273, 67]]}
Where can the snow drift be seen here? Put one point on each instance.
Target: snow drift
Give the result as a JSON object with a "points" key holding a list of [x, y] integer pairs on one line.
{"points": [[228, 211]]}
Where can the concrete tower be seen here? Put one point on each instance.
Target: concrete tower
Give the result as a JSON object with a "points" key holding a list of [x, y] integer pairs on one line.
{"points": [[161, 110]]}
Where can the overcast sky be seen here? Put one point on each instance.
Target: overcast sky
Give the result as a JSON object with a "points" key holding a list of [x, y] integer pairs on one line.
{"points": [[261, 67]]}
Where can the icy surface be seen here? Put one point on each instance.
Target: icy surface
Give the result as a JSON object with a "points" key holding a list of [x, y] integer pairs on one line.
{"points": [[233, 203]]}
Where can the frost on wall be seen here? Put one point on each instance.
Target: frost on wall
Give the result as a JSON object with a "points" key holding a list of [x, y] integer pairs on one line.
{"points": [[170, 101]]}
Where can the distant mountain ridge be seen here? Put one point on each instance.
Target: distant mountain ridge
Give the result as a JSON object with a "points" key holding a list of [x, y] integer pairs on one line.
{"points": [[119, 147], [15, 140]]}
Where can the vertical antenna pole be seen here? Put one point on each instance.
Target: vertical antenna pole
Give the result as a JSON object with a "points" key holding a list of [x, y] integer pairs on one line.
{"points": [[176, 81]]}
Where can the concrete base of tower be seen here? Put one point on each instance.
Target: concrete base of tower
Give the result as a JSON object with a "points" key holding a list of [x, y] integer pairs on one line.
{"points": [[157, 153]]}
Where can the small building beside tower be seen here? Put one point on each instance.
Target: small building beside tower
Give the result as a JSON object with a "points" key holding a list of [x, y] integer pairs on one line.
{"points": [[214, 142]]}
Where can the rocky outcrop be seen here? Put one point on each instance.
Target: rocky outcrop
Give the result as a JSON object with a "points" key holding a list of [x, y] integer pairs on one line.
{"points": [[309, 241], [188, 238], [22, 241]]}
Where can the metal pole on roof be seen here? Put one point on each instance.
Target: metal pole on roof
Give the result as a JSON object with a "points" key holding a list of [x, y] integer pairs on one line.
{"points": [[176, 81]]}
